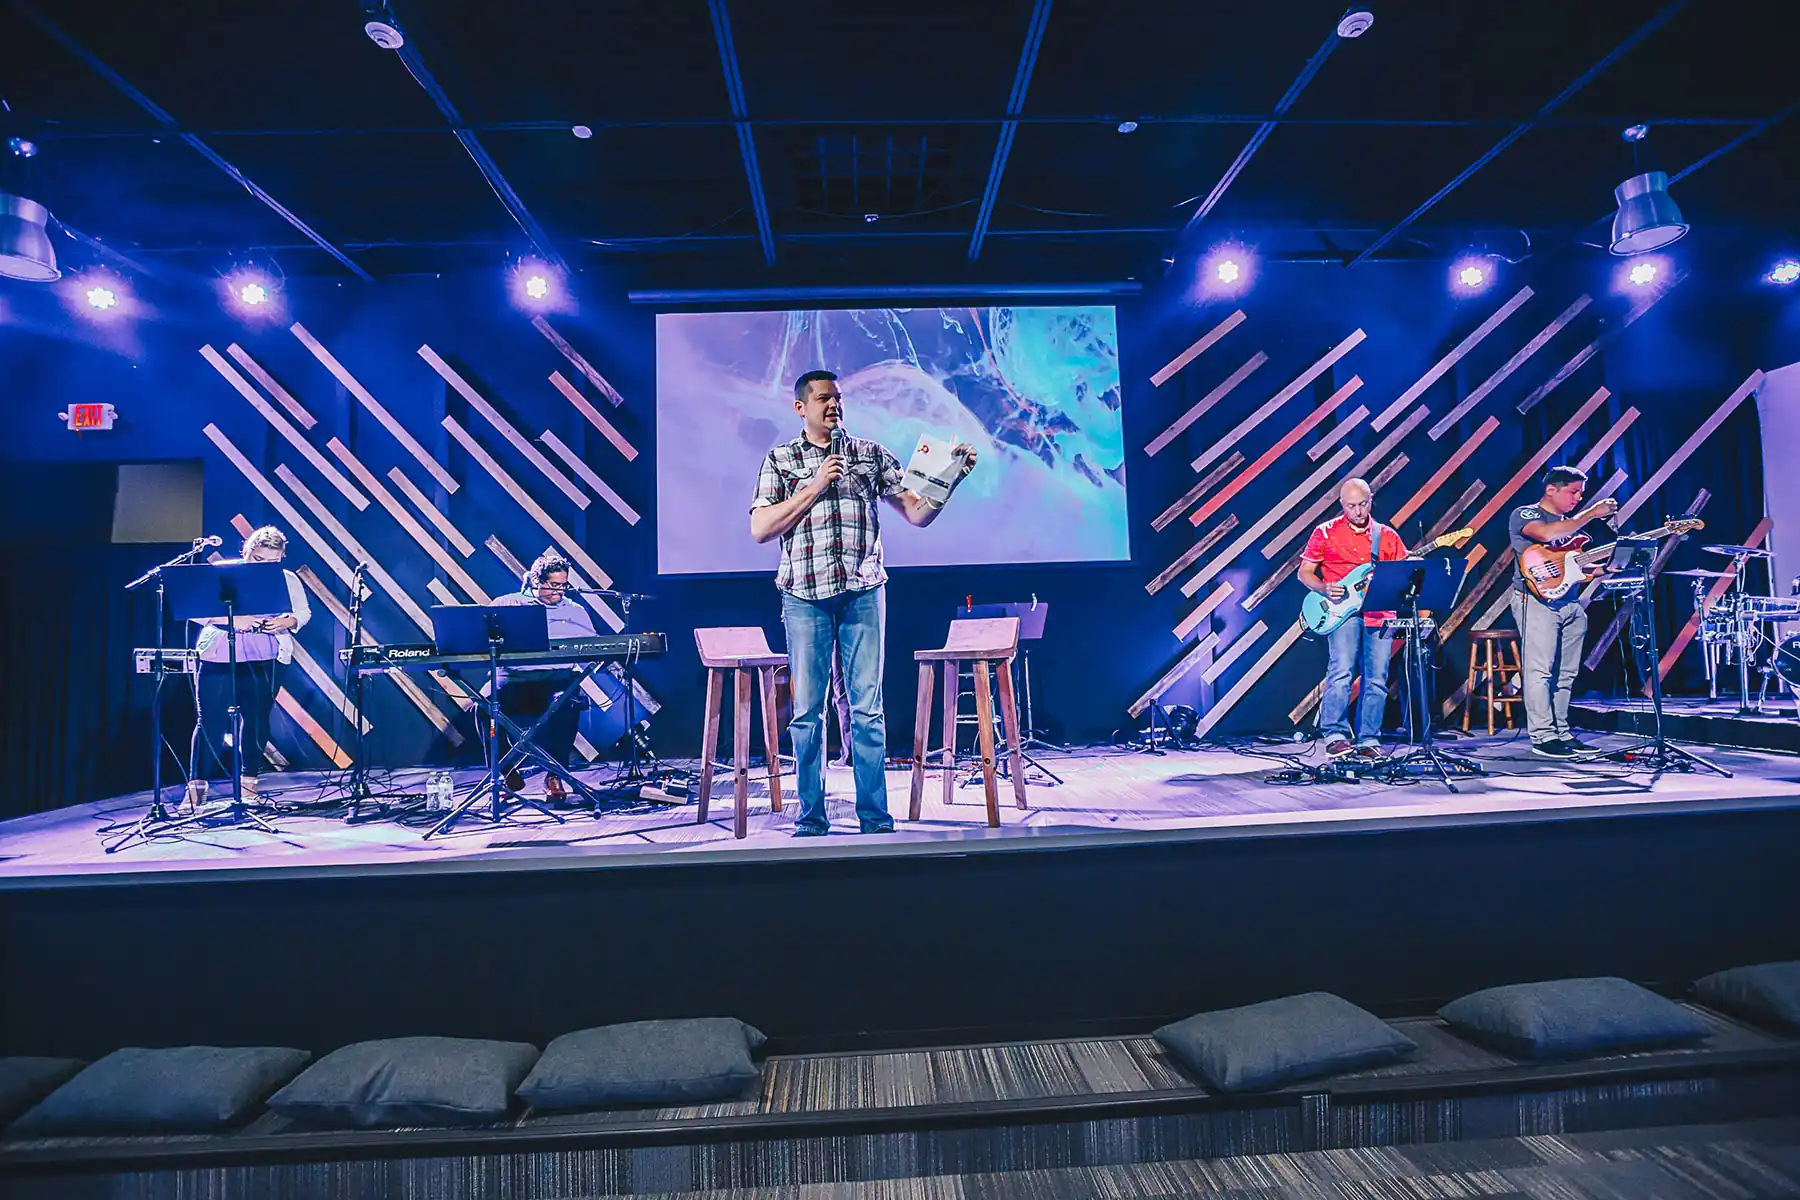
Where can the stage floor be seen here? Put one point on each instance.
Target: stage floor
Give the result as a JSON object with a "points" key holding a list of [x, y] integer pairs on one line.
{"points": [[1108, 795]]}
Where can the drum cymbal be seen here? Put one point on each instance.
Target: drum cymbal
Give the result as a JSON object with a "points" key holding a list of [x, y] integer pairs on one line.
{"points": [[1738, 551], [1698, 573]]}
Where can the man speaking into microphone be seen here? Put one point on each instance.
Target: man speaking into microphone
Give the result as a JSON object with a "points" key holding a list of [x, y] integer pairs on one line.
{"points": [[818, 493]]}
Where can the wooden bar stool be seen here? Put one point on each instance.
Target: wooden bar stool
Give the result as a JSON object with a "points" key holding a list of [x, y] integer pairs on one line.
{"points": [[981, 643], [741, 651], [1489, 650]]}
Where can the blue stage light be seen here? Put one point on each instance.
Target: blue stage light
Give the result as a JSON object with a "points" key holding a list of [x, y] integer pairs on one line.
{"points": [[1785, 272]]}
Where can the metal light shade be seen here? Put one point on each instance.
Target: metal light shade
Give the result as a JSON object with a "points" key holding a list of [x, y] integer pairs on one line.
{"points": [[25, 251], [1647, 218]]}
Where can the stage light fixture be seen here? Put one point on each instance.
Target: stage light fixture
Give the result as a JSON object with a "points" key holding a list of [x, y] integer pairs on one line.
{"points": [[1785, 272], [1648, 219], [101, 298], [581, 131], [23, 147], [1128, 126], [253, 294], [1642, 273], [25, 250], [537, 287], [1227, 271], [1472, 276]]}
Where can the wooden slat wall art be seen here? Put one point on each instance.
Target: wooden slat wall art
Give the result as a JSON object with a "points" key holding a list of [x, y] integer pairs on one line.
{"points": [[1587, 461], [1248, 679], [1455, 356], [439, 521], [439, 592], [280, 504], [1486, 387], [334, 753], [1189, 659], [401, 679], [1286, 442], [1681, 640], [1167, 516], [573, 549], [272, 386], [1201, 406], [577, 361], [1282, 573], [590, 477], [363, 396], [1622, 616], [376, 571], [1450, 466], [1309, 702], [593, 415], [407, 522], [1266, 521], [1300, 383], [1744, 391], [1310, 517], [1535, 464], [1447, 522], [284, 428], [1200, 347], [1594, 347], [1222, 664], [328, 687], [1338, 433], [1191, 555], [1204, 610], [1472, 596], [501, 425]]}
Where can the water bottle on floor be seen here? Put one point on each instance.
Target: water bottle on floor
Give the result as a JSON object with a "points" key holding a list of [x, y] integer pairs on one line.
{"points": [[437, 791]]}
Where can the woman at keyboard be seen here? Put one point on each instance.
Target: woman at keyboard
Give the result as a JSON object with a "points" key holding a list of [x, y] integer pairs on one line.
{"points": [[526, 693]]}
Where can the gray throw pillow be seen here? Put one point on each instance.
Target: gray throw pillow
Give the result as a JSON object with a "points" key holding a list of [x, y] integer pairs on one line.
{"points": [[1768, 993], [645, 1062], [1280, 1041], [1567, 1018], [25, 1081], [157, 1091], [408, 1081]]}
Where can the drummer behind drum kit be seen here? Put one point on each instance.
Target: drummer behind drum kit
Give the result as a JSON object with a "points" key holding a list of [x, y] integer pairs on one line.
{"points": [[1734, 629]]}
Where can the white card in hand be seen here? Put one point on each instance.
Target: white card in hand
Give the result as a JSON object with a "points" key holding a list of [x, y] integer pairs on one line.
{"points": [[932, 470]]}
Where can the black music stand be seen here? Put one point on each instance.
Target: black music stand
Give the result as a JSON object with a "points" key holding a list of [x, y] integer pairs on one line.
{"points": [[494, 629], [1407, 587], [213, 591]]}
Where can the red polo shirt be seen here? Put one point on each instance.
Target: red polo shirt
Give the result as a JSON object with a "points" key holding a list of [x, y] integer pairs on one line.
{"points": [[1340, 549]]}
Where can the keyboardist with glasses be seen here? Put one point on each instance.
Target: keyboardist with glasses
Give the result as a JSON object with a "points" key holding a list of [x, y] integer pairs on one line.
{"points": [[526, 693]]}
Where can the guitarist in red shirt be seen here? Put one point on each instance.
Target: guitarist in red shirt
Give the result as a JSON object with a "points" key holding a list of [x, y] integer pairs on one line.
{"points": [[1335, 549]]}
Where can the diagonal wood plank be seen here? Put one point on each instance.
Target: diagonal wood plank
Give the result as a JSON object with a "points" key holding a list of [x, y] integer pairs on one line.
{"points": [[1594, 347], [1587, 461], [406, 521], [1286, 442], [1535, 464], [1266, 521], [1487, 386], [577, 361], [1188, 660], [422, 502], [376, 571], [1248, 679], [296, 712], [1338, 433], [607, 430], [1449, 360], [1191, 555], [1167, 516], [272, 386], [1201, 406], [519, 441], [1201, 346], [1204, 610], [1447, 522], [1429, 488], [590, 477], [280, 503], [284, 428], [1306, 520], [375, 407], [1744, 391], [1223, 662], [1300, 383]]}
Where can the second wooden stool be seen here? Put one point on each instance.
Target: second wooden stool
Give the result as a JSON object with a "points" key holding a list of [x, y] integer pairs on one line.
{"points": [[1489, 650], [981, 643], [742, 652]]}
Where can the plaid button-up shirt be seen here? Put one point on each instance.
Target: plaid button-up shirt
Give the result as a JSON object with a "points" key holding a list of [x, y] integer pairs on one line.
{"points": [[836, 547]]}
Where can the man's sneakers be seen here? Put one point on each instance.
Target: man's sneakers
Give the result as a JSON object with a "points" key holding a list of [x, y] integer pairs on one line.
{"points": [[1370, 754], [1556, 748], [1337, 747]]}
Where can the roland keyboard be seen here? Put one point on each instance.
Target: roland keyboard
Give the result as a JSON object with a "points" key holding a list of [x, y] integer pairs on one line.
{"points": [[613, 647]]}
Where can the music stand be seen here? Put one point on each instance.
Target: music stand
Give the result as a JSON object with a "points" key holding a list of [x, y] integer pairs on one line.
{"points": [[209, 592], [1407, 587], [493, 629]]}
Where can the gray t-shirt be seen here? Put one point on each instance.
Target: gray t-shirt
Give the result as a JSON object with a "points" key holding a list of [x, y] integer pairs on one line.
{"points": [[1522, 516]]}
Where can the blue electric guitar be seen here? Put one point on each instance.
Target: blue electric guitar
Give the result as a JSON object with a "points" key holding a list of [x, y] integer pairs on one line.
{"points": [[1321, 614]]}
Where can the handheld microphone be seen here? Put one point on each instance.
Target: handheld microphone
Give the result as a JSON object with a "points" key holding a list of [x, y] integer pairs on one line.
{"points": [[837, 446]]}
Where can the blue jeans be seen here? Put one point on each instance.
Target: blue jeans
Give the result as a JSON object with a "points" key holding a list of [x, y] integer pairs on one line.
{"points": [[855, 623], [1350, 642]]}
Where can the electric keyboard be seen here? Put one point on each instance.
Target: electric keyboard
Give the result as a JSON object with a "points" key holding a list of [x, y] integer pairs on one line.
{"points": [[425, 656]]}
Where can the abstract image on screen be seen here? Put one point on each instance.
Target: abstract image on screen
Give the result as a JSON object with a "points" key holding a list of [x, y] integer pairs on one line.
{"points": [[1035, 390]]}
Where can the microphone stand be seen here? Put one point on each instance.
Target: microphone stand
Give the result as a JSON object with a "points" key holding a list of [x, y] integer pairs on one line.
{"points": [[633, 772], [156, 814]]}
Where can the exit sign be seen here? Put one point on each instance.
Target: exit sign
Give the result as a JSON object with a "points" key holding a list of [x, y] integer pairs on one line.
{"points": [[82, 417]]}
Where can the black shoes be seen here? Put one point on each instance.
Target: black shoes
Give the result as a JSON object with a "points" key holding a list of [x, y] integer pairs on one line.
{"points": [[1554, 749]]}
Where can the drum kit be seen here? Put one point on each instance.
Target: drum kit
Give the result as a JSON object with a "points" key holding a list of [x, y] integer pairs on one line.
{"points": [[1735, 628]]}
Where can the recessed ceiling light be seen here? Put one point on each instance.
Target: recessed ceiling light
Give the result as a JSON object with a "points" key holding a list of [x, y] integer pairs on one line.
{"points": [[1128, 126], [582, 132]]}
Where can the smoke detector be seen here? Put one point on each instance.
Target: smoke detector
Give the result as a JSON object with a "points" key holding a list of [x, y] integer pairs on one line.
{"points": [[387, 36], [1355, 23]]}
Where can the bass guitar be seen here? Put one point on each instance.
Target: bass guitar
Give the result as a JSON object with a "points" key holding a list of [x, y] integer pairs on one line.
{"points": [[1321, 614], [1552, 574]]}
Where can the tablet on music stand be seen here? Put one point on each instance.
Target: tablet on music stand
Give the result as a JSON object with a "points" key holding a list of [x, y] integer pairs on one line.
{"points": [[1438, 579], [208, 591], [468, 628]]}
